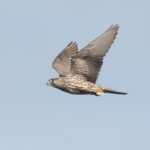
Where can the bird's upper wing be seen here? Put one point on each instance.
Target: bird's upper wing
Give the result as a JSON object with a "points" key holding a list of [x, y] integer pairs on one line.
{"points": [[62, 62], [90, 59]]}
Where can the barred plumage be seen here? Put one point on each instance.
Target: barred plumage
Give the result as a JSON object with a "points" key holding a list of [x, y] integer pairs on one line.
{"points": [[79, 70]]}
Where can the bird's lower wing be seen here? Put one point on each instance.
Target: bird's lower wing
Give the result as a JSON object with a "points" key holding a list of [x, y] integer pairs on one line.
{"points": [[62, 63]]}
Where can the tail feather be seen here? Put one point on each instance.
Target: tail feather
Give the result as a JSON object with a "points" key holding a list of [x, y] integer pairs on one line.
{"points": [[107, 90]]}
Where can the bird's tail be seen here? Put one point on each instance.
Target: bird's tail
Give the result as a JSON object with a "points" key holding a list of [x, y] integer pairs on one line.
{"points": [[107, 90]]}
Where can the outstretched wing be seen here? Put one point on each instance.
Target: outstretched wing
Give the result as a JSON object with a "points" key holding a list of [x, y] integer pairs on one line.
{"points": [[62, 62], [90, 59]]}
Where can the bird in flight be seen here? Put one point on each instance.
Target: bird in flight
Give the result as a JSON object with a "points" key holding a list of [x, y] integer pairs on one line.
{"points": [[78, 70]]}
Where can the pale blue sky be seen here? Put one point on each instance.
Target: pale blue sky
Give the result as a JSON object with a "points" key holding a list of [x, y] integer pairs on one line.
{"points": [[35, 116]]}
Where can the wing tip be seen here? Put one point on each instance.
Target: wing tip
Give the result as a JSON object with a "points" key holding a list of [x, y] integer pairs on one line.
{"points": [[114, 27], [72, 44]]}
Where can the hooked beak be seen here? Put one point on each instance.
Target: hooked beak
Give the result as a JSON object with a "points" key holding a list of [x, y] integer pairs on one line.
{"points": [[48, 83]]}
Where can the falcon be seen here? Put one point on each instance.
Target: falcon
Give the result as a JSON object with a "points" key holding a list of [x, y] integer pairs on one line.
{"points": [[78, 70]]}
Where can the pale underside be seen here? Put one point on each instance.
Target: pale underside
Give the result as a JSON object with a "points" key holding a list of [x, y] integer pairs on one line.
{"points": [[77, 84]]}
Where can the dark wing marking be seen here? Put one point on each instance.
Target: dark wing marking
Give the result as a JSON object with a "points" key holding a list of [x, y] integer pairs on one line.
{"points": [[62, 62], [90, 59]]}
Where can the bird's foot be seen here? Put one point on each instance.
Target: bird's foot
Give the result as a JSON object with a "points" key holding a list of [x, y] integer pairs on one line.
{"points": [[100, 94]]}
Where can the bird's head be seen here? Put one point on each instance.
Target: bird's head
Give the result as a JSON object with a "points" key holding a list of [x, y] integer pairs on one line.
{"points": [[56, 82]]}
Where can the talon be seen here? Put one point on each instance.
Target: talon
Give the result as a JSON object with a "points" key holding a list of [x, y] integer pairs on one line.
{"points": [[100, 94]]}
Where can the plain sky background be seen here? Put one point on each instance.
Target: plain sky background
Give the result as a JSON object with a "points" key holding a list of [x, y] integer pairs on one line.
{"points": [[34, 116]]}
